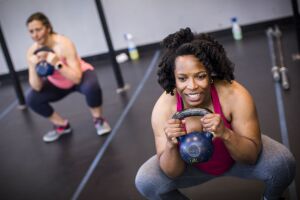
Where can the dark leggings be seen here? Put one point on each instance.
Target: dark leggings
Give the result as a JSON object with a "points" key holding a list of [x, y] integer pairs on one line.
{"points": [[89, 87]]}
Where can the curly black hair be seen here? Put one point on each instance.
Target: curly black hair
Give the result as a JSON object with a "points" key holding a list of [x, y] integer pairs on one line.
{"points": [[204, 47]]}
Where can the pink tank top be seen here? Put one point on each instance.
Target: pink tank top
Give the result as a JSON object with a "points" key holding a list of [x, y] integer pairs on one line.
{"points": [[221, 160], [60, 81]]}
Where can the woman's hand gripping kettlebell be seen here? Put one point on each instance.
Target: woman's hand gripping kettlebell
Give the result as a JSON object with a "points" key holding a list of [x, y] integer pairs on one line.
{"points": [[174, 128], [195, 147]]}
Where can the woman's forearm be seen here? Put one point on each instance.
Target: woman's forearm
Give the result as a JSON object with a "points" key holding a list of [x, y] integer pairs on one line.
{"points": [[241, 148], [170, 162], [34, 80]]}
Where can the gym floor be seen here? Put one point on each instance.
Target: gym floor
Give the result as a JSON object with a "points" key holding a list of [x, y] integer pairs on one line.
{"points": [[31, 169]]}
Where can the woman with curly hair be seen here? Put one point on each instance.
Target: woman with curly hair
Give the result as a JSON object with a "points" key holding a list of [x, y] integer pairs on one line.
{"points": [[195, 72]]}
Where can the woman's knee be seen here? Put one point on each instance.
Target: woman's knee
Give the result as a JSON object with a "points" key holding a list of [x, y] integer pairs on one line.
{"points": [[89, 82], [92, 91], [282, 164], [31, 99], [38, 104], [93, 97], [285, 166], [142, 182], [148, 178], [143, 178]]}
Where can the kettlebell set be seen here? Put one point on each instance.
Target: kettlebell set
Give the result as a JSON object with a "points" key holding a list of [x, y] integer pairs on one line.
{"points": [[44, 68], [195, 147]]}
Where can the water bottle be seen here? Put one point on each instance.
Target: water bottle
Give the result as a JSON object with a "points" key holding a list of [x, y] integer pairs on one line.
{"points": [[132, 50], [236, 29]]}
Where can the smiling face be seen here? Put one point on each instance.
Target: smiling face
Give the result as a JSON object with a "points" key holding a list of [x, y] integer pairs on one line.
{"points": [[192, 81], [38, 31]]}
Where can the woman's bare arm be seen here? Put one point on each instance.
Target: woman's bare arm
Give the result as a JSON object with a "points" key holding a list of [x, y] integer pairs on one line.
{"points": [[167, 150]]}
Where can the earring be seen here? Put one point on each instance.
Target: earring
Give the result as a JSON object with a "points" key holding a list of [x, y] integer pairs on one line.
{"points": [[211, 81]]}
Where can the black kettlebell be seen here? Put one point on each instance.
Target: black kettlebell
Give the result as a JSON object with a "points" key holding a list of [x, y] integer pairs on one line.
{"points": [[43, 68], [195, 147]]}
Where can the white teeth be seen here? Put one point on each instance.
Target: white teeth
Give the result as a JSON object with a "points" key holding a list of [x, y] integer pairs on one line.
{"points": [[194, 95]]}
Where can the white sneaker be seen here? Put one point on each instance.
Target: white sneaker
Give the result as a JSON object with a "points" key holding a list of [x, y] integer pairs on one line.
{"points": [[56, 133], [102, 126]]}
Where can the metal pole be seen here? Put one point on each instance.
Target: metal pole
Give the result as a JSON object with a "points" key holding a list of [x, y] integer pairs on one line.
{"points": [[115, 65], [12, 71]]}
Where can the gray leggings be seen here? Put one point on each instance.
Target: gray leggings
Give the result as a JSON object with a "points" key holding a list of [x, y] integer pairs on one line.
{"points": [[275, 167]]}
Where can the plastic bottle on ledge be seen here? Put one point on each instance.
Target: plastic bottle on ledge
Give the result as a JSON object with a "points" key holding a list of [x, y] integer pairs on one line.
{"points": [[236, 29], [132, 50]]}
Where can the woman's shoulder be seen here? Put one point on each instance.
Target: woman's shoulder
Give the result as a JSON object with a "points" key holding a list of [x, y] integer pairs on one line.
{"points": [[165, 105], [62, 39], [63, 45], [232, 92]]}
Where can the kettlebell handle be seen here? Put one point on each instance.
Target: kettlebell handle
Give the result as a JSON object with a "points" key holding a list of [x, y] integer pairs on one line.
{"points": [[191, 112], [43, 48], [43, 68]]}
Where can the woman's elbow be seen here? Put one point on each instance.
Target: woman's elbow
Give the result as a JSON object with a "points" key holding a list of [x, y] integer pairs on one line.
{"points": [[77, 79], [252, 159], [36, 87], [172, 174], [254, 156]]}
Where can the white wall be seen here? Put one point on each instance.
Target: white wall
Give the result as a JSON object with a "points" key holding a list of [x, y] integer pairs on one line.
{"points": [[74, 18], [148, 20]]}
